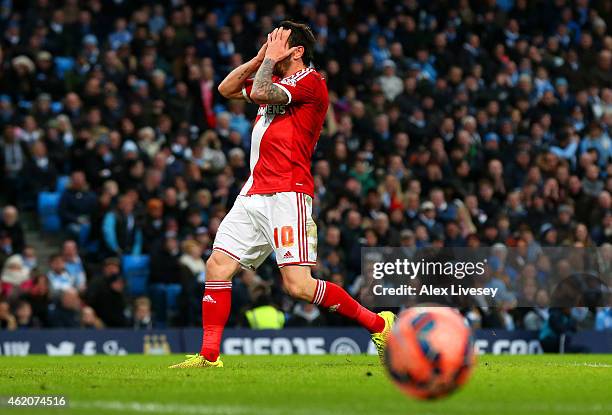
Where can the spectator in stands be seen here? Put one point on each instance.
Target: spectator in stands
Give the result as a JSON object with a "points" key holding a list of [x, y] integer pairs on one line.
{"points": [[104, 205], [41, 173], [121, 231], [428, 219], [6, 246], [7, 320], [305, 315], [445, 212], [193, 223], [11, 226], [154, 226], [556, 332], [13, 158], [77, 204], [30, 258], [39, 296], [106, 295], [151, 187], [192, 278], [24, 316], [89, 319], [142, 319], [108, 300], [264, 315], [598, 139], [65, 310], [60, 279], [390, 83], [73, 264], [538, 315], [331, 241], [165, 267], [603, 318], [14, 277]]}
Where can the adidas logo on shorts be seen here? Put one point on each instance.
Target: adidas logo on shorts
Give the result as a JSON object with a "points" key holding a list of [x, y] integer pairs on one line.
{"points": [[208, 299], [287, 255]]}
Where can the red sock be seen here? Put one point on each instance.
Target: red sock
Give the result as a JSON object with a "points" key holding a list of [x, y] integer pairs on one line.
{"points": [[216, 305], [330, 295]]}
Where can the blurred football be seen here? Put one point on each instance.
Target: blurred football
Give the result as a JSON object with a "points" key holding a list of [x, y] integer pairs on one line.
{"points": [[430, 352]]}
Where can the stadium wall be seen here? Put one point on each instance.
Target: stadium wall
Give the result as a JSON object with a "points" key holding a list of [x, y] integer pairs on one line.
{"points": [[264, 342]]}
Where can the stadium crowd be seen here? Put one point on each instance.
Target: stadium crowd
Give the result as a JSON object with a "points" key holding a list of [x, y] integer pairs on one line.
{"points": [[451, 123]]}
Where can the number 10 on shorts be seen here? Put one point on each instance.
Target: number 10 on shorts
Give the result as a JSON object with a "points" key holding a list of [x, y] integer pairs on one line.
{"points": [[286, 236]]}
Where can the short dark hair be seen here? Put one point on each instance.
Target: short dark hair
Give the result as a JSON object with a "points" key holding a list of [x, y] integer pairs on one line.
{"points": [[55, 256], [301, 35]]}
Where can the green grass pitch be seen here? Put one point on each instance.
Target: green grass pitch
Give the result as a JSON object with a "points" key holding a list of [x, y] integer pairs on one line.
{"points": [[321, 385]]}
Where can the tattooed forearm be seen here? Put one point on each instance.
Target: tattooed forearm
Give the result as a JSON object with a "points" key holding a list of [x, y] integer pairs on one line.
{"points": [[244, 74], [264, 91], [231, 86]]}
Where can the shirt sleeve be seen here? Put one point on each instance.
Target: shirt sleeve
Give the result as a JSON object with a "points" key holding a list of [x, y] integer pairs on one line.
{"points": [[247, 87], [299, 89]]}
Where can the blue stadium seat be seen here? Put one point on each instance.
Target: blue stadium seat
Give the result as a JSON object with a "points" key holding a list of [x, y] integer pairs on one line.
{"points": [[51, 223], [164, 302], [25, 105], [157, 294], [62, 183], [136, 272], [84, 231], [57, 107], [172, 295], [48, 203], [63, 64], [48, 206], [218, 108]]}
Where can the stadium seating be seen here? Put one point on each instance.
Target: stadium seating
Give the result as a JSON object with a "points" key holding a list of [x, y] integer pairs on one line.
{"points": [[172, 295], [136, 271], [62, 183], [84, 231], [63, 64], [165, 302], [48, 205], [497, 115]]}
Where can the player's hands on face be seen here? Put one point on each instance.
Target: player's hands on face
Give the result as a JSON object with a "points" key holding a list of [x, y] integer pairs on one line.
{"points": [[261, 54], [277, 48]]}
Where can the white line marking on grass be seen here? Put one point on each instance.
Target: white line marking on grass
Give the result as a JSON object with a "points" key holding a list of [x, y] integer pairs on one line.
{"points": [[176, 408], [463, 408], [159, 408], [581, 364], [594, 365], [531, 408]]}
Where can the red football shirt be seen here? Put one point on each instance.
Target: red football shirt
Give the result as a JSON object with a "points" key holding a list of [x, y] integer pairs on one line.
{"points": [[284, 136]]}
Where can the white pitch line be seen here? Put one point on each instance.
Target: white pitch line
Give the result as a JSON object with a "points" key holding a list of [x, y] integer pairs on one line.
{"points": [[176, 408], [537, 407], [581, 364], [593, 365], [492, 407], [159, 408]]}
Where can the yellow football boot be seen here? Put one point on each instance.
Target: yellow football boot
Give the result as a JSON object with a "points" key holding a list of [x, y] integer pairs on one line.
{"points": [[380, 339], [196, 360]]}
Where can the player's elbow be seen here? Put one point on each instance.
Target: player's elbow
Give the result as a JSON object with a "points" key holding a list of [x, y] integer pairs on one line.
{"points": [[274, 96], [258, 97], [223, 90], [226, 90]]}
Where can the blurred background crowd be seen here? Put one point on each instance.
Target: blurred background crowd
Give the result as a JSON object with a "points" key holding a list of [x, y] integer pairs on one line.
{"points": [[451, 123]]}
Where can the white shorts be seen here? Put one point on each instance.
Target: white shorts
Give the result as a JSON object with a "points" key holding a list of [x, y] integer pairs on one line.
{"points": [[258, 225]]}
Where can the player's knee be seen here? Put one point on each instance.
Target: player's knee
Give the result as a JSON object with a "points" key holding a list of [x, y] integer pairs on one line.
{"points": [[217, 269]]}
